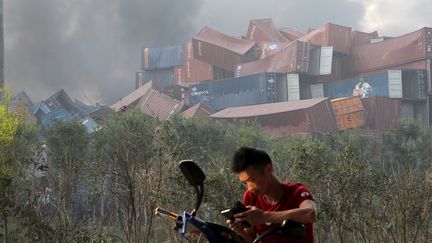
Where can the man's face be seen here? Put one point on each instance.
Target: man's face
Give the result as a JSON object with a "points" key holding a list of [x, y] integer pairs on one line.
{"points": [[257, 179]]}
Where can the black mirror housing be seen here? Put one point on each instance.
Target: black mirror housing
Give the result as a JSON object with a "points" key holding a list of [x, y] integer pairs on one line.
{"points": [[192, 172]]}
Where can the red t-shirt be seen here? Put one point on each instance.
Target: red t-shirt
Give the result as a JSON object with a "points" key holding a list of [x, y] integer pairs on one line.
{"points": [[293, 196]]}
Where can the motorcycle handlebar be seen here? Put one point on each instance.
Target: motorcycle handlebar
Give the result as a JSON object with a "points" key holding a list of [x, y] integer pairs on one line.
{"points": [[166, 214]]}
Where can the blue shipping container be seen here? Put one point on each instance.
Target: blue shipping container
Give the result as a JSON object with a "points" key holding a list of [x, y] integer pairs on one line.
{"points": [[375, 85], [247, 90], [162, 78], [60, 114], [406, 84], [162, 57]]}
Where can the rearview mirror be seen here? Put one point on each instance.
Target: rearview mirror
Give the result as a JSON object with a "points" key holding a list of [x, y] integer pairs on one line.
{"points": [[192, 172], [195, 177]]}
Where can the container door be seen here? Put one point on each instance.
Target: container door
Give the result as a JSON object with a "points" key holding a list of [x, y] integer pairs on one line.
{"points": [[317, 91], [395, 83], [282, 87], [314, 61], [293, 87], [326, 60], [271, 83]]}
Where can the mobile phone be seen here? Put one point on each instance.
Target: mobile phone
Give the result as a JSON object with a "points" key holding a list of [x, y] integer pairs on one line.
{"points": [[238, 208]]}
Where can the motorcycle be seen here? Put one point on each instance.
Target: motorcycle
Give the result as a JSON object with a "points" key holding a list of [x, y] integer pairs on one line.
{"points": [[196, 230]]}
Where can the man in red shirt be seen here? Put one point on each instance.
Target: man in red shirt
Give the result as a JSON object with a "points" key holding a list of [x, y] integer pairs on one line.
{"points": [[270, 201]]}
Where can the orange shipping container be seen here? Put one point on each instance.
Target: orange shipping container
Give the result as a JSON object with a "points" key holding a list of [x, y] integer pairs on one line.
{"points": [[347, 105], [351, 120], [349, 112]]}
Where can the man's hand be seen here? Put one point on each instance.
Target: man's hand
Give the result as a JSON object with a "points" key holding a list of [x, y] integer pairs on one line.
{"points": [[254, 216], [246, 233]]}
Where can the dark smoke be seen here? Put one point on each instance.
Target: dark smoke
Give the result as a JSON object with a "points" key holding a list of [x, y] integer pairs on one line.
{"points": [[88, 47]]}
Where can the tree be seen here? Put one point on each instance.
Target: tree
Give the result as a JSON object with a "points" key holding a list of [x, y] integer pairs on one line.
{"points": [[406, 145], [127, 149], [67, 144], [8, 128]]}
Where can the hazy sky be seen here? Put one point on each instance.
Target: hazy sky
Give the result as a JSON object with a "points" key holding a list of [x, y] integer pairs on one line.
{"points": [[92, 48]]}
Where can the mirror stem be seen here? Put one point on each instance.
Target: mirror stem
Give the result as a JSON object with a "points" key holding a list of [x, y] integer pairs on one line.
{"points": [[199, 192]]}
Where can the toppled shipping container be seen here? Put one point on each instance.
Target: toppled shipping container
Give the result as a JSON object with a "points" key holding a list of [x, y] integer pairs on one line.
{"points": [[264, 30], [83, 108], [330, 35], [132, 99], [362, 38], [21, 106], [199, 110], [158, 105], [351, 120], [60, 100], [101, 115], [347, 105], [412, 47], [162, 57], [349, 112], [90, 124], [292, 34], [293, 59], [48, 119], [268, 49], [284, 118], [246, 90], [223, 51]]}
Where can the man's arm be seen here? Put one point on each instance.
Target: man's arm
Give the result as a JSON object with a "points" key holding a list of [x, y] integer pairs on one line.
{"points": [[305, 214]]}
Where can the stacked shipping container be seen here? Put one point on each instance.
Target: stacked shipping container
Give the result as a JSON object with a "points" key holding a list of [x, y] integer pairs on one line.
{"points": [[193, 70], [406, 84], [247, 90]]}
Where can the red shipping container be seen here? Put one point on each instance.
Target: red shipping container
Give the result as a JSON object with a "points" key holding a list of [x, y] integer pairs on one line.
{"points": [[293, 59], [284, 118], [193, 70], [264, 30], [394, 52], [381, 112], [361, 38], [330, 35], [223, 51], [268, 49], [292, 34]]}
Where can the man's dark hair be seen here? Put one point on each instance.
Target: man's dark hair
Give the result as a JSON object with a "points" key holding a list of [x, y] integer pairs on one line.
{"points": [[245, 157]]}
